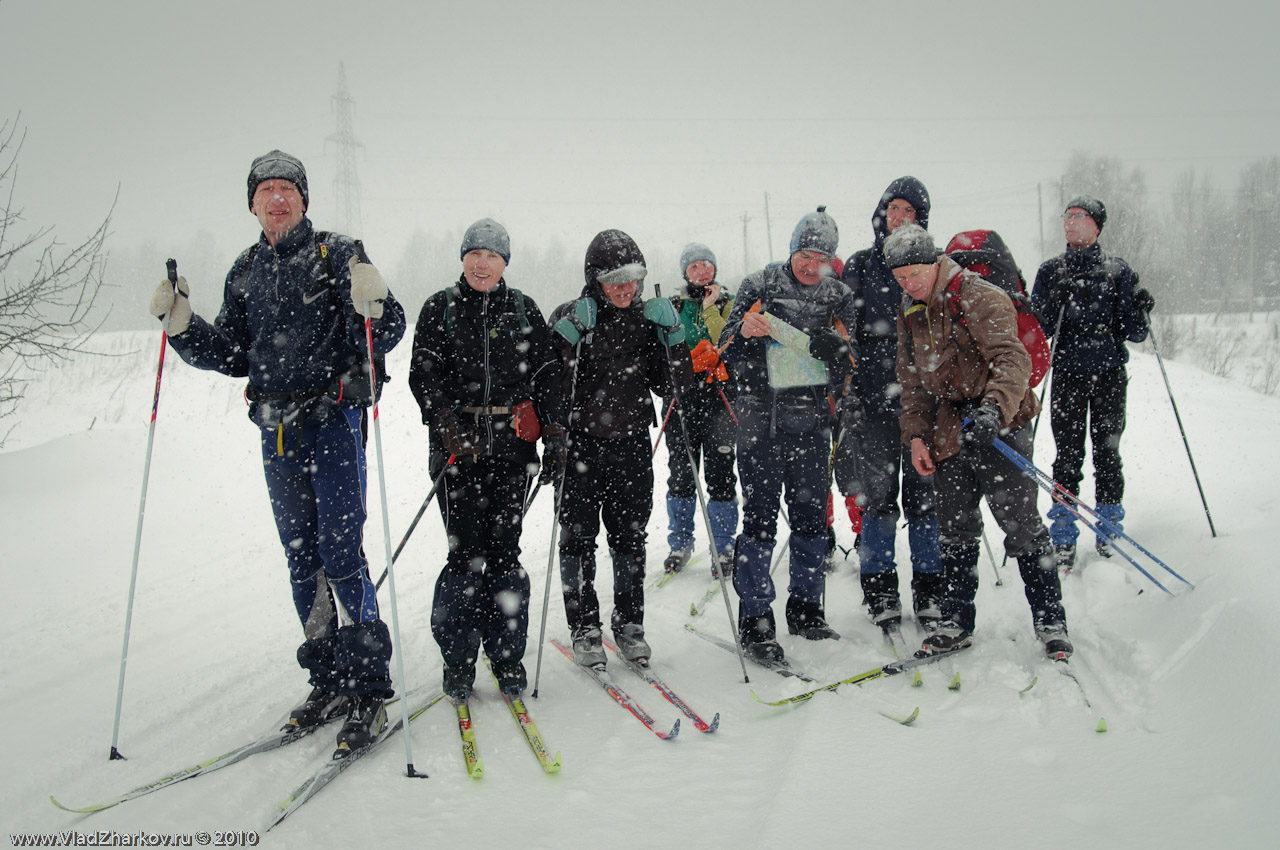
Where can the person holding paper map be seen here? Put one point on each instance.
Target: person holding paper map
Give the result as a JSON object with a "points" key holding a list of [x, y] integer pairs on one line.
{"points": [[788, 356]]}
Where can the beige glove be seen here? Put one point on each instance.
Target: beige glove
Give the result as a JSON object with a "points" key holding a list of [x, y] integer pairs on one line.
{"points": [[367, 287], [178, 309]]}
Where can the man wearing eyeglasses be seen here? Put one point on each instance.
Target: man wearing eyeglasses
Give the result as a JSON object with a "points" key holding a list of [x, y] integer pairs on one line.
{"points": [[789, 357], [1092, 302]]}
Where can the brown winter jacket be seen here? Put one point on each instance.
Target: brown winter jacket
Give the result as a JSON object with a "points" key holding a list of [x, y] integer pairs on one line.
{"points": [[947, 368]]}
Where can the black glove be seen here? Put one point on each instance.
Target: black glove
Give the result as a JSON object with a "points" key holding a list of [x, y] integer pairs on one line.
{"points": [[456, 441], [853, 416], [1144, 300], [984, 428], [828, 346], [555, 448]]}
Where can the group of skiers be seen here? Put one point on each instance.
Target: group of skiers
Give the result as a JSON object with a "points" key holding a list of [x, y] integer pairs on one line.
{"points": [[890, 377]]}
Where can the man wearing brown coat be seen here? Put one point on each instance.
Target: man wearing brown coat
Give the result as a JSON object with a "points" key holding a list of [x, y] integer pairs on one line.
{"points": [[964, 376]]}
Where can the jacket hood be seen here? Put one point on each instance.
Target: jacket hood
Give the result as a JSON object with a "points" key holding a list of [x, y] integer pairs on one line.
{"points": [[613, 254], [908, 189]]}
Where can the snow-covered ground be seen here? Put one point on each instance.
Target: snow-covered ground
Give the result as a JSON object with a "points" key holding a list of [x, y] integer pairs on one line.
{"points": [[1190, 757]]}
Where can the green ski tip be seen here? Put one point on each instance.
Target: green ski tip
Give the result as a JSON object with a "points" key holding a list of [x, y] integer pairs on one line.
{"points": [[905, 721], [955, 683], [1030, 686], [917, 681], [1102, 724]]}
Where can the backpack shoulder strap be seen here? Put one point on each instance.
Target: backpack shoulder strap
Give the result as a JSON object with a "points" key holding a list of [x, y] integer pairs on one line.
{"points": [[520, 308], [451, 308]]}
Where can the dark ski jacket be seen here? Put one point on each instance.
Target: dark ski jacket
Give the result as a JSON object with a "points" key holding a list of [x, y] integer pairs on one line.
{"points": [[877, 297], [1094, 292], [287, 324], [484, 352], [622, 364], [807, 308]]}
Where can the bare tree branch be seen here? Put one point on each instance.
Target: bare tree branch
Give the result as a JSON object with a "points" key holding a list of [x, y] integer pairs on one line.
{"points": [[49, 299]]}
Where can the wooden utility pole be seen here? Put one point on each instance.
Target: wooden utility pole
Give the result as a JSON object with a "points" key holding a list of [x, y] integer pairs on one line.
{"points": [[768, 229], [746, 261]]}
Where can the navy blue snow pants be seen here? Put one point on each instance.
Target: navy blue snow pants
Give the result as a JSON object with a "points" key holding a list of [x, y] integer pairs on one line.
{"points": [[782, 447], [316, 482]]}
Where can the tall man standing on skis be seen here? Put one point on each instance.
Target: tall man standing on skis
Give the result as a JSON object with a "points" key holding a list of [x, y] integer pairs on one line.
{"points": [[1100, 305], [869, 461], [961, 359], [787, 356], [294, 308]]}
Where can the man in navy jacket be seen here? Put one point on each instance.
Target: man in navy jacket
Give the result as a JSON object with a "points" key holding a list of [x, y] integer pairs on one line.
{"points": [[294, 308]]}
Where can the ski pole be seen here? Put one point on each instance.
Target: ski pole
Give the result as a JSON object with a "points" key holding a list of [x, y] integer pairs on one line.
{"points": [[435, 485], [171, 267], [1101, 526], [1053, 352], [702, 498], [386, 529], [528, 503], [663, 429], [991, 556], [555, 523], [1182, 431]]}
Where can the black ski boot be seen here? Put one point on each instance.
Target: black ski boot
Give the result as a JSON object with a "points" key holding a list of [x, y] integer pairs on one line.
{"points": [[365, 722], [675, 562], [759, 637], [926, 599], [808, 620], [1065, 556], [1056, 643], [317, 709], [947, 636], [880, 593], [459, 679]]}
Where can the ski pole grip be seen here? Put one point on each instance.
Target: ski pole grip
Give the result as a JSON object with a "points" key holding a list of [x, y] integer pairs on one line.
{"points": [[172, 266]]}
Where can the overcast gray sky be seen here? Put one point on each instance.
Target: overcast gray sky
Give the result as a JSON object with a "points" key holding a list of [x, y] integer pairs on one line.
{"points": [[669, 120]]}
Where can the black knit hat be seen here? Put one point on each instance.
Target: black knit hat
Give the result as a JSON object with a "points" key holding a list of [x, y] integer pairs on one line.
{"points": [[614, 257], [1092, 206], [909, 245], [278, 165]]}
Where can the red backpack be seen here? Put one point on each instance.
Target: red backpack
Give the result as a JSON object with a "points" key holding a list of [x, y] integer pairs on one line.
{"points": [[984, 253]]}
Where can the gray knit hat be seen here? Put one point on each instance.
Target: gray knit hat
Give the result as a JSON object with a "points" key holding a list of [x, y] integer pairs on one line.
{"points": [[1092, 206], [816, 231], [278, 165], [693, 252], [489, 235], [909, 245]]}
